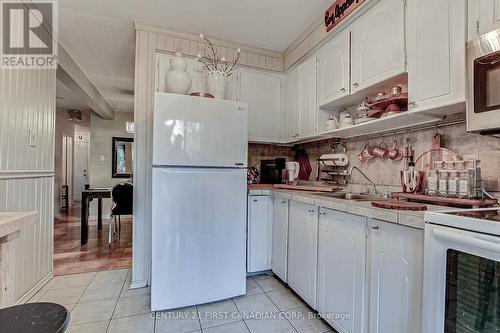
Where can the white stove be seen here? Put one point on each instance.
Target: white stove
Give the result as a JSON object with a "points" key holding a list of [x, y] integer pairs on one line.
{"points": [[462, 271]]}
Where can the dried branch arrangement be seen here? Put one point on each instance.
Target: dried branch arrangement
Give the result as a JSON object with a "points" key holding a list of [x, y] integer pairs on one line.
{"points": [[213, 62]]}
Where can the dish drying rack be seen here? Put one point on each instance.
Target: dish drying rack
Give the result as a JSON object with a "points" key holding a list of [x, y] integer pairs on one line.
{"points": [[328, 170]]}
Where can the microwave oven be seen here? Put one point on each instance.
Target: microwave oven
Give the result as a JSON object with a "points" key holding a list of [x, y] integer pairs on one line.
{"points": [[483, 98]]}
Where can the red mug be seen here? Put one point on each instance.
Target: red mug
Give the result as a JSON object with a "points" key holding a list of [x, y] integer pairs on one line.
{"points": [[380, 151]]}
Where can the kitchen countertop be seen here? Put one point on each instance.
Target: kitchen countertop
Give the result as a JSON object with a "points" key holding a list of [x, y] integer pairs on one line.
{"points": [[414, 219], [12, 222]]}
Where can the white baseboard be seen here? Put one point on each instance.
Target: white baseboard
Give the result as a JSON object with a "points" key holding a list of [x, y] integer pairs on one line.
{"points": [[138, 284], [23, 299]]}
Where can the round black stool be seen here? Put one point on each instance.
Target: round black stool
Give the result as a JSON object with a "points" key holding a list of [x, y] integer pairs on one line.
{"points": [[34, 318]]}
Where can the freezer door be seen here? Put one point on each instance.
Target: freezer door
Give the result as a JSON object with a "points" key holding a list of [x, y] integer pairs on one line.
{"points": [[194, 131], [198, 240]]}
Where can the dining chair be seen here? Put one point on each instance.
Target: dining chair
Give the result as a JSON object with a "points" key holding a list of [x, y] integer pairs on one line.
{"points": [[122, 195]]}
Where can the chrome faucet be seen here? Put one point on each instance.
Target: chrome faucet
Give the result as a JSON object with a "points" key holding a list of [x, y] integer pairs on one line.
{"points": [[349, 173]]}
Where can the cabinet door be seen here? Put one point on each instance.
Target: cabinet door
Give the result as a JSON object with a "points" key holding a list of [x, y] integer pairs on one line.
{"points": [[303, 251], [395, 277], [259, 236], [334, 69], [290, 109], [378, 44], [436, 53], [262, 92], [489, 16], [307, 99], [280, 238], [341, 270]]}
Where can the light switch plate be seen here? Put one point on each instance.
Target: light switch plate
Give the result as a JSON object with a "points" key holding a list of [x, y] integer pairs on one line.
{"points": [[102, 158], [32, 138]]}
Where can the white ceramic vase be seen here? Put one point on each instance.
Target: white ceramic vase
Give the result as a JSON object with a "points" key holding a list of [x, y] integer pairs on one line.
{"points": [[217, 84], [177, 80]]}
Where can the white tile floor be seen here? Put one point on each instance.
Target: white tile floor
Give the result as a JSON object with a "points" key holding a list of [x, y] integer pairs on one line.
{"points": [[102, 302]]}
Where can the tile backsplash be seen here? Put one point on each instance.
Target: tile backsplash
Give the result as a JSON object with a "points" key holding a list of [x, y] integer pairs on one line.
{"points": [[385, 173]]}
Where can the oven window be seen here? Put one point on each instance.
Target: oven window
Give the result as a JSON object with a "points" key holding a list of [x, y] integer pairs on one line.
{"points": [[472, 294], [487, 83]]}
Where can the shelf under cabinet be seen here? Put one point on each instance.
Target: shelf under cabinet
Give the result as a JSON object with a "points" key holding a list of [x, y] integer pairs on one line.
{"points": [[395, 122]]}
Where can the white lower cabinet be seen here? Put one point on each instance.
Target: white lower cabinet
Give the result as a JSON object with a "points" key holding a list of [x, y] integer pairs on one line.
{"points": [[280, 238], [303, 250], [395, 265], [259, 235], [341, 270]]}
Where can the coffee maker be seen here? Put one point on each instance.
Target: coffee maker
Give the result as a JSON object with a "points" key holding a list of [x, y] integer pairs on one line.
{"points": [[271, 171]]}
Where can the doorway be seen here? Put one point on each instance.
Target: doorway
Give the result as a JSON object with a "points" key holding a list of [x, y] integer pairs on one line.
{"points": [[83, 160]]}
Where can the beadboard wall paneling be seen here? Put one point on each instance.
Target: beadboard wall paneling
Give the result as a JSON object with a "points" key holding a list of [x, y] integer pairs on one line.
{"points": [[28, 99], [191, 44], [33, 249], [149, 41], [27, 173]]}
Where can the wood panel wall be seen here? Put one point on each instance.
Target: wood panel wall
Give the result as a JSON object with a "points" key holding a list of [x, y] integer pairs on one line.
{"points": [[27, 102], [149, 41]]}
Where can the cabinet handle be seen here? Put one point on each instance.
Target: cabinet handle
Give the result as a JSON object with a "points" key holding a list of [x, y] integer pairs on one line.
{"points": [[342, 90], [412, 104], [312, 211], [376, 228], [283, 202], [255, 200], [355, 85], [323, 213]]}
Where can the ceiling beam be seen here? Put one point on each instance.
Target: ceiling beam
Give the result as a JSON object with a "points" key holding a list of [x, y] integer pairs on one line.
{"points": [[69, 73]]}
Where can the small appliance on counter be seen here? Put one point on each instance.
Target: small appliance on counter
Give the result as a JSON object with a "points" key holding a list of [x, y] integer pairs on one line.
{"points": [[271, 171], [292, 169]]}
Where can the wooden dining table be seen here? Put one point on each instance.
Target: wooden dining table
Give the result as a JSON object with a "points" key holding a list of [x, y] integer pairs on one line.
{"points": [[87, 196]]}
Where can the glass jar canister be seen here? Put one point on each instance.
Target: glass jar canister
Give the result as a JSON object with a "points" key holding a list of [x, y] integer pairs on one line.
{"points": [[443, 183], [432, 183], [466, 183], [453, 184]]}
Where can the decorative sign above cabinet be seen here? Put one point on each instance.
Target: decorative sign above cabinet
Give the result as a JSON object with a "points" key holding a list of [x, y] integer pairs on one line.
{"points": [[340, 10]]}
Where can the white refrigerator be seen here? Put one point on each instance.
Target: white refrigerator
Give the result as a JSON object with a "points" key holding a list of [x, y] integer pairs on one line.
{"points": [[199, 201]]}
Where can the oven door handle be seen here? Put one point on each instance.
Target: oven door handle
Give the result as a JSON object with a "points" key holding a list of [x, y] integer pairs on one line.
{"points": [[473, 241]]}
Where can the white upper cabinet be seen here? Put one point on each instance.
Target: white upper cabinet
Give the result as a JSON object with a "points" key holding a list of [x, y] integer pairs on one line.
{"points": [[262, 92], [341, 269], [378, 44], [436, 53], [259, 239], [333, 69], [484, 16], [280, 237], [395, 275], [307, 98], [303, 250], [290, 110], [489, 16]]}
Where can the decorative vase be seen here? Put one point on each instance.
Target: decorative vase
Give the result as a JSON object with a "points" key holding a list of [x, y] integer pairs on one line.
{"points": [[217, 84], [177, 80]]}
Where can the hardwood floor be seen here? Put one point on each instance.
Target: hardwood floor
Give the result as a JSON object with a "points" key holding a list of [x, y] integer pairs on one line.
{"points": [[97, 255]]}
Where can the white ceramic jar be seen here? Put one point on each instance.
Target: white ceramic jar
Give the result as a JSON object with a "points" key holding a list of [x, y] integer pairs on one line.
{"points": [[177, 80]]}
